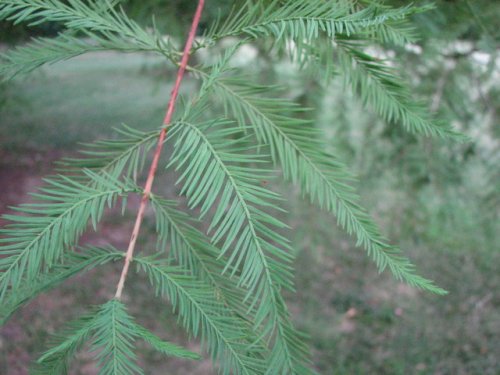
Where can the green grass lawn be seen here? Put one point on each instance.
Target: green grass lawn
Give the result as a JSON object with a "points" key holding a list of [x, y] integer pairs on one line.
{"points": [[83, 99]]}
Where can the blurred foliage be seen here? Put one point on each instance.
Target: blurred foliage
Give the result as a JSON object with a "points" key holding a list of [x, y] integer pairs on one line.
{"points": [[450, 20], [10, 33], [174, 16], [170, 16], [460, 19]]}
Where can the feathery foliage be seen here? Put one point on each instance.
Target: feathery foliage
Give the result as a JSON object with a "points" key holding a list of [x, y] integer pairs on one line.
{"points": [[113, 341], [106, 27], [240, 223], [377, 85], [117, 157], [225, 285], [71, 265], [192, 250], [202, 315], [112, 333], [64, 346], [32, 244], [297, 146], [303, 22]]}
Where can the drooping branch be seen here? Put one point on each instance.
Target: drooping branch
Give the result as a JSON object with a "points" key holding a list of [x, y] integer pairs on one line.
{"points": [[156, 157]]}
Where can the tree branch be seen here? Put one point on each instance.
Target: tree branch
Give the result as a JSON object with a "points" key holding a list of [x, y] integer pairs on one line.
{"points": [[156, 157]]}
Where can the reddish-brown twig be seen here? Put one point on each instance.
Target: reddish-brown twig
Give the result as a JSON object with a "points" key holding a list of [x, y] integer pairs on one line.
{"points": [[156, 156]]}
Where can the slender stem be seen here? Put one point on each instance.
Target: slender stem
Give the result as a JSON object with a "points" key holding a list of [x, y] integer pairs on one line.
{"points": [[159, 146]]}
